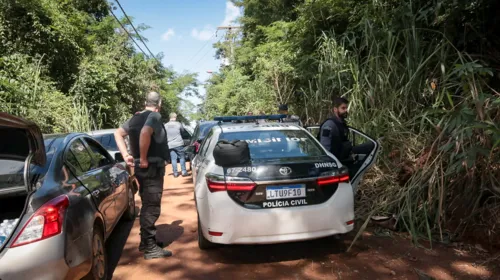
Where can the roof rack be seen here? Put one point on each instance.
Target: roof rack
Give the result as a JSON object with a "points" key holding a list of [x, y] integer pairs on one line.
{"points": [[249, 118]]}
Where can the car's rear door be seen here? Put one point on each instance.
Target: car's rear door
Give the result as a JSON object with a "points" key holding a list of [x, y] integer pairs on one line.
{"points": [[116, 175], [365, 150], [96, 181]]}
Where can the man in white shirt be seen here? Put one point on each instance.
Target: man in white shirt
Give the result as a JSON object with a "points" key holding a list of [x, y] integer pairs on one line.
{"points": [[176, 144]]}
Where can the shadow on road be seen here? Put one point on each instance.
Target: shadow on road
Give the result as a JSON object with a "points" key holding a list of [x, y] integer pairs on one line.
{"points": [[168, 233], [273, 253], [116, 242]]}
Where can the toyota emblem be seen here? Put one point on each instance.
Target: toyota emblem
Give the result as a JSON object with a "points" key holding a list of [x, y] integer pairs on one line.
{"points": [[285, 170]]}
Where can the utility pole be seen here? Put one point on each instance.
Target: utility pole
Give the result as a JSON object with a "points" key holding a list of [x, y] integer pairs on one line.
{"points": [[230, 31]]}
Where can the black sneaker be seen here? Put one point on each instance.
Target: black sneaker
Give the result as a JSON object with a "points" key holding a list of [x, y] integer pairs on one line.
{"points": [[175, 176], [156, 252], [142, 246]]}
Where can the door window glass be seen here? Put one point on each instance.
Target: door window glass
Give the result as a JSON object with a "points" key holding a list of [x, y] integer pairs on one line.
{"points": [[78, 157], [101, 157]]}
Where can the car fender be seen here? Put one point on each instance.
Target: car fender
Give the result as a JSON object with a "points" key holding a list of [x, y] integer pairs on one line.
{"points": [[79, 222]]}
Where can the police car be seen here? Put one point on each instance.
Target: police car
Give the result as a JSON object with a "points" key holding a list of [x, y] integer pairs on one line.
{"points": [[292, 188]]}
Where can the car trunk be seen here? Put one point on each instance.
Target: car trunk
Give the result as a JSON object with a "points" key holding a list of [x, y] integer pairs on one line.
{"points": [[285, 182], [21, 144]]}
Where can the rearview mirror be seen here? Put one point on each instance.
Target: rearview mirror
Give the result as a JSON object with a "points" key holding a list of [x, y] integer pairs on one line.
{"points": [[119, 157]]}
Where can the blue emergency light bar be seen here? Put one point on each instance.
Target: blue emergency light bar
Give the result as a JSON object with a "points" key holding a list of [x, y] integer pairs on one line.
{"points": [[249, 118]]}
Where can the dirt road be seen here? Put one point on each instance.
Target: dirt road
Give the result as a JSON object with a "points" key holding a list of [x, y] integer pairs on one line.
{"points": [[371, 258]]}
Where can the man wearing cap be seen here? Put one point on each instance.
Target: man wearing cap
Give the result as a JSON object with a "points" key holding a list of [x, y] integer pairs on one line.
{"points": [[283, 110], [149, 148]]}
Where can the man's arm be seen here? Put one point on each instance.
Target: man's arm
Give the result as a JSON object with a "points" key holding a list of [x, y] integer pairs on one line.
{"points": [[153, 125], [120, 135], [145, 142]]}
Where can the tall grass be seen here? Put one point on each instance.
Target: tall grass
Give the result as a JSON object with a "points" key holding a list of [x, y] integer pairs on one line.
{"points": [[438, 120]]}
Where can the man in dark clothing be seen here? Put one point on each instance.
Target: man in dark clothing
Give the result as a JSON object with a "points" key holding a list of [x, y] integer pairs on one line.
{"points": [[149, 148], [334, 132], [334, 136]]}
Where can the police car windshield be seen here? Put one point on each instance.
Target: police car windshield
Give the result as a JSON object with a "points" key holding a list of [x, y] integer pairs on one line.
{"points": [[271, 144]]}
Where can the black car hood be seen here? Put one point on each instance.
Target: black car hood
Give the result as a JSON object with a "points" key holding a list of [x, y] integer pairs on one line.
{"points": [[19, 138]]}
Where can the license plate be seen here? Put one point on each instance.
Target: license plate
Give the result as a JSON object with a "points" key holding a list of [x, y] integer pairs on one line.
{"points": [[288, 191]]}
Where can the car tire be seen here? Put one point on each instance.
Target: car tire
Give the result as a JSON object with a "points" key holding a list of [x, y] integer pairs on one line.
{"points": [[99, 261], [203, 243], [129, 214]]}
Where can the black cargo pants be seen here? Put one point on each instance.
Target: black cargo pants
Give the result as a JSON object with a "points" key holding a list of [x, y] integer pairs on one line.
{"points": [[151, 191]]}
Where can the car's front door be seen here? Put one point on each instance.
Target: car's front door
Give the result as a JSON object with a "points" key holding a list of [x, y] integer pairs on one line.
{"points": [[364, 153], [95, 180], [116, 174]]}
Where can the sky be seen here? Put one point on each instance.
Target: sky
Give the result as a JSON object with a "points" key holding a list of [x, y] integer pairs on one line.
{"points": [[184, 31]]}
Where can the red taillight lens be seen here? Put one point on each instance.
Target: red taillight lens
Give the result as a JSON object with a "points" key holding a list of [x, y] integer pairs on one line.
{"points": [[215, 233], [240, 186], [216, 186], [343, 178], [196, 146], [44, 223]]}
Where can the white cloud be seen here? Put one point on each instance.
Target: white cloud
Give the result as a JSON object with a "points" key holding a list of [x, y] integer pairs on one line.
{"points": [[203, 34], [168, 35], [232, 13]]}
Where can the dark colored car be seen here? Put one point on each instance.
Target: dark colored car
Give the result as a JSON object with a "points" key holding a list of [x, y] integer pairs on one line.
{"points": [[60, 198], [199, 134]]}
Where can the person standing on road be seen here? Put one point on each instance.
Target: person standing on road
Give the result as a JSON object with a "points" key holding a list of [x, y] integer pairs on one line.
{"points": [[176, 144], [148, 145]]}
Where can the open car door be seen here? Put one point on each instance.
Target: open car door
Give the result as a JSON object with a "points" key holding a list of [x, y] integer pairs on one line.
{"points": [[364, 153]]}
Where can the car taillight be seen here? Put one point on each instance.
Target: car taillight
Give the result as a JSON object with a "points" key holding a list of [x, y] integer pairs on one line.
{"points": [[342, 178], [216, 184], [44, 223]]}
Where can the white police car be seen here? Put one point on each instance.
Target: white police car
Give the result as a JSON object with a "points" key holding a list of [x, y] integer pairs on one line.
{"points": [[291, 189]]}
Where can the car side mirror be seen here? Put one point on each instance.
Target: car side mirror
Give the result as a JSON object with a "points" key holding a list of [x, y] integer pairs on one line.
{"points": [[119, 157]]}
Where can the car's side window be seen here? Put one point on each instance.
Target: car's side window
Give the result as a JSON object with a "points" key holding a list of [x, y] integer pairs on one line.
{"points": [[101, 157], [78, 157], [206, 144]]}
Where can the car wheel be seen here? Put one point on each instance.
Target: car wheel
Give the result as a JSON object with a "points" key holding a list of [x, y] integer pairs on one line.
{"points": [[99, 262], [203, 243], [129, 214]]}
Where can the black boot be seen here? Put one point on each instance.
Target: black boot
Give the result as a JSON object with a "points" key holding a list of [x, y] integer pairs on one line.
{"points": [[153, 251], [142, 246]]}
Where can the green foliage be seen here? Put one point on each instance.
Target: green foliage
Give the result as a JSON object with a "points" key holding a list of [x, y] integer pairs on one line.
{"points": [[421, 75], [69, 66]]}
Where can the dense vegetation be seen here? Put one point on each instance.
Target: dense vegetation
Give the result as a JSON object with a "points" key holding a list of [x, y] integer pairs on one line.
{"points": [[69, 66], [422, 76]]}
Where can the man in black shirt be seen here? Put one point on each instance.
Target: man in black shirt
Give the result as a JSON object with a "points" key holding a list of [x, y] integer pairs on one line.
{"points": [[149, 148], [334, 132], [334, 136]]}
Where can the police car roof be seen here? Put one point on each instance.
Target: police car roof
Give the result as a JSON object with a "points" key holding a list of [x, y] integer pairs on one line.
{"points": [[242, 127]]}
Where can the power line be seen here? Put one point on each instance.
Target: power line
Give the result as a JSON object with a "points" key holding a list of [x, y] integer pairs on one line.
{"points": [[137, 32], [205, 53], [202, 48], [126, 31]]}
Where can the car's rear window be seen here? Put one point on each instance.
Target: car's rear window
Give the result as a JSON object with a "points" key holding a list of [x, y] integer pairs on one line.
{"points": [[277, 143], [107, 141], [204, 129]]}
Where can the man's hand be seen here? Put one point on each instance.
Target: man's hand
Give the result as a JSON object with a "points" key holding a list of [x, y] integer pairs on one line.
{"points": [[144, 163], [129, 160]]}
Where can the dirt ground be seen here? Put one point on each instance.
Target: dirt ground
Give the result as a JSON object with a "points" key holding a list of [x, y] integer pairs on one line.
{"points": [[372, 257]]}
